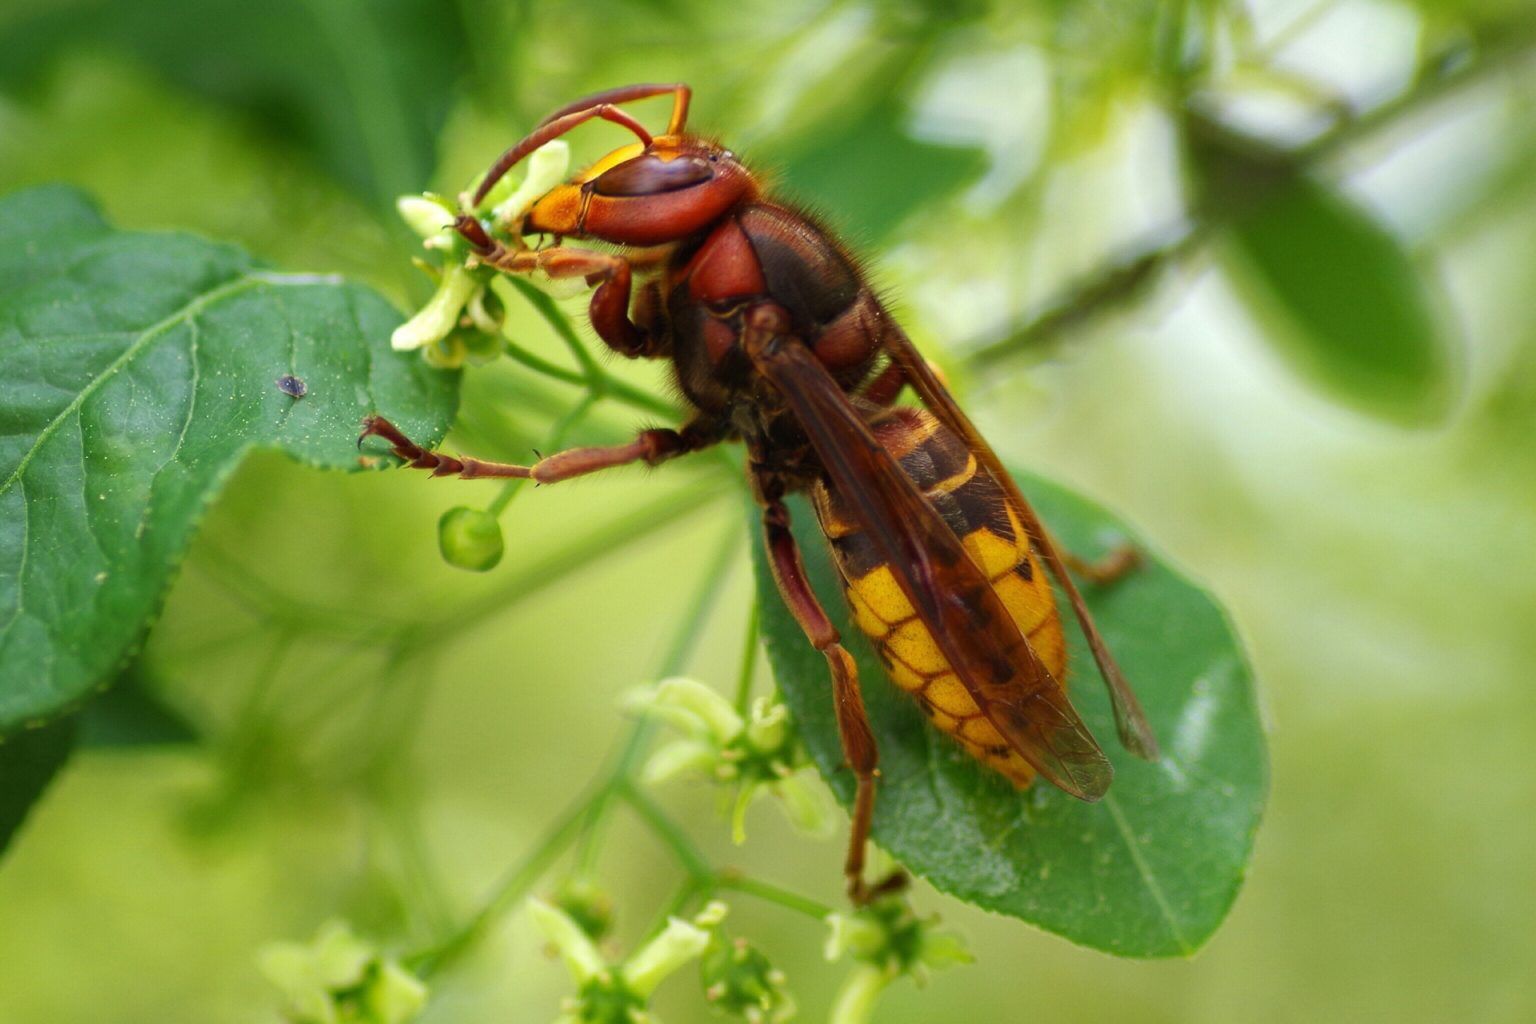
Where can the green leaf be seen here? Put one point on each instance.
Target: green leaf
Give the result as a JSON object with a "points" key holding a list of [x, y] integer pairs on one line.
{"points": [[28, 762], [140, 368], [1338, 294], [366, 86], [1149, 871]]}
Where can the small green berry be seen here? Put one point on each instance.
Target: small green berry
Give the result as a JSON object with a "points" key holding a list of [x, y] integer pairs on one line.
{"points": [[470, 538]]}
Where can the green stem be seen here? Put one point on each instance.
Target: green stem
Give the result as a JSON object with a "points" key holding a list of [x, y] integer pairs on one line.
{"points": [[556, 440], [737, 882], [748, 668], [609, 387], [596, 543], [545, 306], [511, 889], [538, 364], [670, 834], [266, 601], [686, 639], [599, 381], [584, 819], [702, 878], [676, 657], [686, 893]]}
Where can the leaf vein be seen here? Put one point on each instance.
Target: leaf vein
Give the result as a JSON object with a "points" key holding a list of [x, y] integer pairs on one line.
{"points": [[1148, 876], [148, 335], [186, 424]]}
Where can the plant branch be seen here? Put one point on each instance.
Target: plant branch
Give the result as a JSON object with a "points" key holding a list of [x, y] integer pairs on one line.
{"points": [[545, 306], [664, 828], [513, 887], [1127, 276], [734, 880], [585, 816], [595, 543], [628, 757], [592, 376]]}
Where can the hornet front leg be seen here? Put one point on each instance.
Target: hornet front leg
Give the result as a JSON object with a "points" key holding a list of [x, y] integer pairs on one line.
{"points": [[612, 275]]}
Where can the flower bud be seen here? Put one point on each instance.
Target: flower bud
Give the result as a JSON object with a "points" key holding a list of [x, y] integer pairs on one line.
{"points": [[394, 996], [690, 704], [570, 941], [428, 215]]}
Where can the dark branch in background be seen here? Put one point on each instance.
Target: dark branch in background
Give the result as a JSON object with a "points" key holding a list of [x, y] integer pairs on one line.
{"points": [[1128, 275]]}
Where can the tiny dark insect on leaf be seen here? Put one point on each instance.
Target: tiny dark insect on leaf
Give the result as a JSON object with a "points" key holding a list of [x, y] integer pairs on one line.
{"points": [[292, 386]]}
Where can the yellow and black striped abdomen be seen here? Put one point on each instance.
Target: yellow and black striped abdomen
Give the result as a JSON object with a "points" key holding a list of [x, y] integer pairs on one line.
{"points": [[975, 507]]}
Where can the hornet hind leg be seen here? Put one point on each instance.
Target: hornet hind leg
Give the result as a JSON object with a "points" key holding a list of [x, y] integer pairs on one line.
{"points": [[852, 721]]}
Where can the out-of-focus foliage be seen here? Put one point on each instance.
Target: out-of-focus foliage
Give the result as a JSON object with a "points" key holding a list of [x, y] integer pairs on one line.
{"points": [[1382, 576], [1339, 292], [364, 86], [28, 761]]}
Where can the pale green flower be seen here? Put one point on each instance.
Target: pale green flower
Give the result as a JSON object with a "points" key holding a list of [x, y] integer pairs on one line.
{"points": [[338, 978], [545, 168], [617, 993], [461, 298], [741, 981], [887, 941], [747, 755], [433, 322], [430, 216]]}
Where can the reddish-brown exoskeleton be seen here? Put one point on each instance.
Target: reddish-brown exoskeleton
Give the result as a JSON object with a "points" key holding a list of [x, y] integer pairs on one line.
{"points": [[777, 341]]}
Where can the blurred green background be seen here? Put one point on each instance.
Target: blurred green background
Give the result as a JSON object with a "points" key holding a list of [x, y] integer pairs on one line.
{"points": [[1298, 350]]}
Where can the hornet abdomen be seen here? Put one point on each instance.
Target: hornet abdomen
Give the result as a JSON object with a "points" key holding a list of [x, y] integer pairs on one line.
{"points": [[976, 508]]}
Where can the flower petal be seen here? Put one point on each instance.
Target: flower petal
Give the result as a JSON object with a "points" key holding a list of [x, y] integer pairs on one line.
{"points": [[678, 943], [722, 721], [425, 215], [805, 804], [440, 315], [576, 949], [546, 168], [681, 757], [395, 995], [769, 725]]}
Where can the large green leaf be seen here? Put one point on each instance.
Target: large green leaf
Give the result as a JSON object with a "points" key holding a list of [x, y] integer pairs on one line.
{"points": [[1338, 293], [1149, 871], [1343, 301], [364, 84], [139, 369]]}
